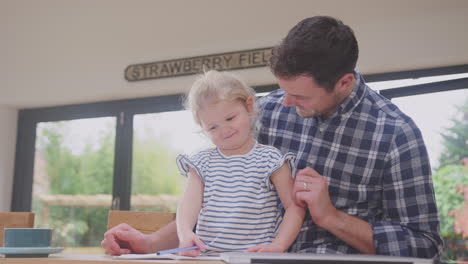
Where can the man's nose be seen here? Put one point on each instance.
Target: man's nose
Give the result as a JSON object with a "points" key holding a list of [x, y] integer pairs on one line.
{"points": [[288, 101]]}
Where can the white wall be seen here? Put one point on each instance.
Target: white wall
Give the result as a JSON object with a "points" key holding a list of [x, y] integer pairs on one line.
{"points": [[8, 121], [63, 52]]}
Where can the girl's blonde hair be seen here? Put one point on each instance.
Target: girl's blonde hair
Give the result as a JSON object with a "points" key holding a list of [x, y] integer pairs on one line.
{"points": [[214, 86]]}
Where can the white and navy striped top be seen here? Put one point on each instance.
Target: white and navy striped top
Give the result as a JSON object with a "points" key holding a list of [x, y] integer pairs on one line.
{"points": [[240, 204]]}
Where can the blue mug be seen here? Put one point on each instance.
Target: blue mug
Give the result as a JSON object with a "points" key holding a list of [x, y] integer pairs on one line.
{"points": [[27, 237]]}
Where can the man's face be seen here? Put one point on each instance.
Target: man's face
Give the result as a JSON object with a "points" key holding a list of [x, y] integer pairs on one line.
{"points": [[308, 97]]}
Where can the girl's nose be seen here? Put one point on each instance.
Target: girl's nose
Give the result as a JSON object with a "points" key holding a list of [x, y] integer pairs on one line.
{"points": [[225, 131]]}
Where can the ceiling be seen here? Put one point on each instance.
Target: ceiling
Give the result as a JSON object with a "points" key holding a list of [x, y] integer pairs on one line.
{"points": [[55, 52]]}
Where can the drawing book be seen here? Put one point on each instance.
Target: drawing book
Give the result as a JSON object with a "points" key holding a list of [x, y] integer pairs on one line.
{"points": [[167, 257]]}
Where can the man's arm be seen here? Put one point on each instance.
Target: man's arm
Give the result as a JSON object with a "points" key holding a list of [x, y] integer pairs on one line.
{"points": [[352, 230], [410, 224]]}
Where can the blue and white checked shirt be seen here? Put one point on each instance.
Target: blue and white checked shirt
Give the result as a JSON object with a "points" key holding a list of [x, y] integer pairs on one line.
{"points": [[376, 164]]}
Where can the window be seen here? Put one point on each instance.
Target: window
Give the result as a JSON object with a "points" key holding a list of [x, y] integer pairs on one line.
{"points": [[431, 111], [134, 140]]}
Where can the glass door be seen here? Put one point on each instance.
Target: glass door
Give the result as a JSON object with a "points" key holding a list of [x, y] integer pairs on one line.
{"points": [[72, 181]]}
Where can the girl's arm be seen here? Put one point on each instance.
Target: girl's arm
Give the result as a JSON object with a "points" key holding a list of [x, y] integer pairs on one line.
{"points": [[188, 211], [293, 216]]}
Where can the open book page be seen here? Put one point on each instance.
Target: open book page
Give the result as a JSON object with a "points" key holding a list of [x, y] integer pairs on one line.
{"points": [[167, 256]]}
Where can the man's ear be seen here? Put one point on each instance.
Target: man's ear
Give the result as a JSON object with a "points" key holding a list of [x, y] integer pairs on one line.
{"points": [[345, 83], [249, 104]]}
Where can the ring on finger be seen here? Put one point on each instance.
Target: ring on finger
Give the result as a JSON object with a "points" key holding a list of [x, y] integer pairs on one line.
{"points": [[305, 186]]}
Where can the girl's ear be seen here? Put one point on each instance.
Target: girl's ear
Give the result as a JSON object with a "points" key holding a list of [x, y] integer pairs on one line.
{"points": [[249, 104]]}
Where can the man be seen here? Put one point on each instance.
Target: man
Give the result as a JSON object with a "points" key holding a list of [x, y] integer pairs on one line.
{"points": [[363, 169], [365, 175]]}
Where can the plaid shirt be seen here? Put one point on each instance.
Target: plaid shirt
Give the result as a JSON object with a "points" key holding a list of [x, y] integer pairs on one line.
{"points": [[375, 161]]}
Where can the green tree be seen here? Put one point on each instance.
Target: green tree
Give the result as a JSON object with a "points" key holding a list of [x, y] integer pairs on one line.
{"points": [[455, 138], [446, 181], [154, 169], [449, 178], [62, 167]]}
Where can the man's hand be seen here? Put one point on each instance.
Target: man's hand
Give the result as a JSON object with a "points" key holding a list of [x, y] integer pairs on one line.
{"points": [[124, 239], [311, 190]]}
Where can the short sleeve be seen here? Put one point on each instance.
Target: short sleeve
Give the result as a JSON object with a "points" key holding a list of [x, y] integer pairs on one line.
{"points": [[184, 163], [277, 164]]}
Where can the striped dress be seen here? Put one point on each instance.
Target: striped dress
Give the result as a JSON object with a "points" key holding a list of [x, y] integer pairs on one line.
{"points": [[240, 204]]}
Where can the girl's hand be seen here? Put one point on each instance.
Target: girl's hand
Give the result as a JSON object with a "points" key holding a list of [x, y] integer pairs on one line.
{"points": [[191, 239], [266, 248]]}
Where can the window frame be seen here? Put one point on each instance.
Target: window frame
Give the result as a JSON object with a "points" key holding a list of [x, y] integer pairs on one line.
{"points": [[122, 110]]}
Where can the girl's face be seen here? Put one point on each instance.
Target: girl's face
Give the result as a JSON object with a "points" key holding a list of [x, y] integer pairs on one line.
{"points": [[228, 125]]}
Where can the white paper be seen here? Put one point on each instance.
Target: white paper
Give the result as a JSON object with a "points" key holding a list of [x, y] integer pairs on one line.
{"points": [[166, 256]]}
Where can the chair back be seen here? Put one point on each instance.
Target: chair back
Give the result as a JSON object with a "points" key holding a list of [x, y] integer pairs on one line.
{"points": [[15, 220], [145, 222]]}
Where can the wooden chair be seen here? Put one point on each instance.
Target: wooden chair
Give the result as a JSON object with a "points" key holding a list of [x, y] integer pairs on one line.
{"points": [[145, 222], [15, 220]]}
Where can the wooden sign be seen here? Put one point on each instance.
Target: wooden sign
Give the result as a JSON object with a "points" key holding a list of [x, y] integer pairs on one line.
{"points": [[185, 66]]}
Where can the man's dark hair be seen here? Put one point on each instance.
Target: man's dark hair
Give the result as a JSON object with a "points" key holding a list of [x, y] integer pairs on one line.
{"points": [[321, 47]]}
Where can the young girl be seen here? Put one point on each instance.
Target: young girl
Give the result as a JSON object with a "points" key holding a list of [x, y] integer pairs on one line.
{"points": [[232, 190]]}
